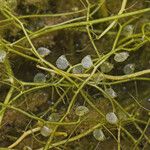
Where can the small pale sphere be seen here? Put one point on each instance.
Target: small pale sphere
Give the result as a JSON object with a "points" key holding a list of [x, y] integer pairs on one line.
{"points": [[2, 56], [120, 57], [43, 51], [111, 118], [128, 30], [81, 110], [99, 135], [78, 69], [53, 74], [75, 9], [87, 62], [111, 92], [39, 77], [45, 131], [54, 117], [62, 62], [106, 67], [129, 68]]}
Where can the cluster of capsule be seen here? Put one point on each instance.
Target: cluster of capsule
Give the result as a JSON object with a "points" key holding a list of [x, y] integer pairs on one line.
{"points": [[86, 63], [81, 111]]}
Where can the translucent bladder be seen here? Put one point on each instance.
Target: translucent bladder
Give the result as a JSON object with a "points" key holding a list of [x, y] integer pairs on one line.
{"points": [[129, 68], [111, 92], [120, 57], [106, 67], [2, 56], [87, 62], [81, 110], [99, 135], [111, 118], [39, 77], [43, 51], [62, 62], [46, 131]]}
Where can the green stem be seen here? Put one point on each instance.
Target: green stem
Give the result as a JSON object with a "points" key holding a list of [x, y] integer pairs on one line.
{"points": [[11, 90], [84, 23]]}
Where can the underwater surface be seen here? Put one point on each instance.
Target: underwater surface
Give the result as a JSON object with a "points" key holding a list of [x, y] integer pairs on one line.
{"points": [[75, 74]]}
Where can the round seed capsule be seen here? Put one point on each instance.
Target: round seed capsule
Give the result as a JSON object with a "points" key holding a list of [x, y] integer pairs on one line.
{"points": [[2, 56], [128, 30], [45, 131], [87, 62], [78, 70], [111, 92], [43, 51], [120, 57], [81, 110], [129, 68], [62, 62], [112, 118], [54, 117], [106, 67], [99, 135], [39, 77]]}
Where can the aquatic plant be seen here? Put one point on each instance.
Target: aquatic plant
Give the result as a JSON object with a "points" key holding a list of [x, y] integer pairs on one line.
{"points": [[73, 74]]}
